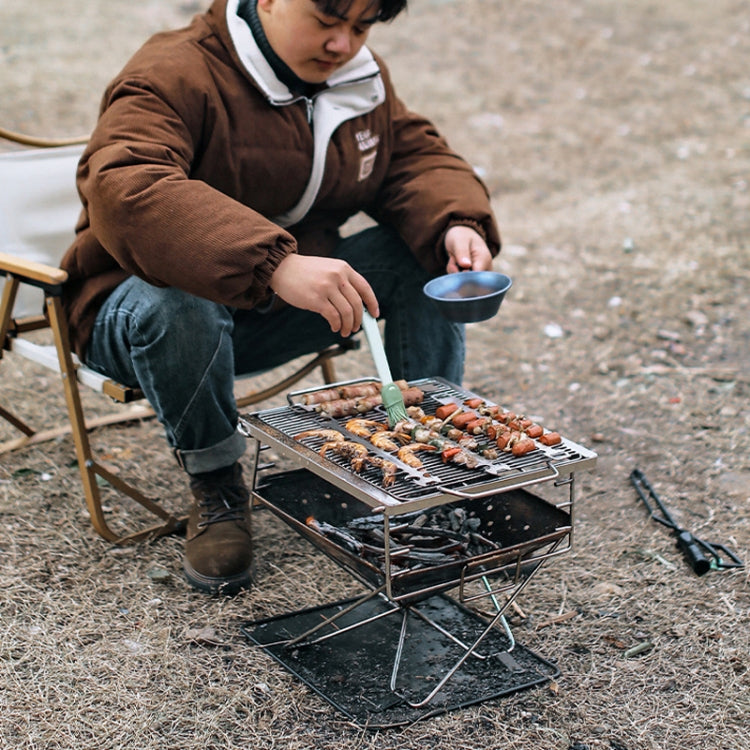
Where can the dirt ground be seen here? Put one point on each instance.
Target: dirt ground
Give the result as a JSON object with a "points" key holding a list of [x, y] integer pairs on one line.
{"points": [[615, 139]]}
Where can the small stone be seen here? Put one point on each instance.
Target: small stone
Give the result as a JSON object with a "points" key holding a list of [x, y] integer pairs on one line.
{"points": [[553, 331], [696, 318], [159, 575], [668, 335]]}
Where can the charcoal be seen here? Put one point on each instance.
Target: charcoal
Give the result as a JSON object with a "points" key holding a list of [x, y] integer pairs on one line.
{"points": [[416, 540]]}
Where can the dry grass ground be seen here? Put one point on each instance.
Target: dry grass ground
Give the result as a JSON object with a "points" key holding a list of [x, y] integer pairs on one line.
{"points": [[615, 140]]}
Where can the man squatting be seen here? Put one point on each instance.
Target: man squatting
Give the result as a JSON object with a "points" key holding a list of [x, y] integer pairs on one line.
{"points": [[225, 159]]}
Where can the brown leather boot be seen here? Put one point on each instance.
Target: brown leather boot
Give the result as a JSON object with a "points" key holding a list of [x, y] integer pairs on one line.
{"points": [[218, 549]]}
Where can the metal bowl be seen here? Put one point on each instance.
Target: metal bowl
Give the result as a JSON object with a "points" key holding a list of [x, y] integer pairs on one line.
{"points": [[468, 296]]}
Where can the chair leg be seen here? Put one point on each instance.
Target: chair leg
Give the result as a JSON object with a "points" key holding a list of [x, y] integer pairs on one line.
{"points": [[19, 424], [7, 300], [88, 467], [328, 370]]}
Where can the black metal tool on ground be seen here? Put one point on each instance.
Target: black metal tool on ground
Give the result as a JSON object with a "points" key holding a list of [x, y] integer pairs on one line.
{"points": [[700, 554]]}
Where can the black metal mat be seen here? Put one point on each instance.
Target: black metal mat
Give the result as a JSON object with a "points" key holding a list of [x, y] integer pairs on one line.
{"points": [[352, 671]]}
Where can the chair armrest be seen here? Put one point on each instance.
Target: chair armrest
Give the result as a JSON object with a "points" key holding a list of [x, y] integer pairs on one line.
{"points": [[38, 274]]}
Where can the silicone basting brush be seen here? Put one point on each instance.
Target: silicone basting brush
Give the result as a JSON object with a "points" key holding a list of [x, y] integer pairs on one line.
{"points": [[393, 400]]}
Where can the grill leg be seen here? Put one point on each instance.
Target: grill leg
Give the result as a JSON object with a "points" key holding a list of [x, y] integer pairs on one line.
{"points": [[498, 608], [470, 651], [447, 676], [298, 640]]}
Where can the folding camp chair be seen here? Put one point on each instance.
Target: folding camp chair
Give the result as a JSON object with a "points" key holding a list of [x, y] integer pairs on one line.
{"points": [[39, 206]]}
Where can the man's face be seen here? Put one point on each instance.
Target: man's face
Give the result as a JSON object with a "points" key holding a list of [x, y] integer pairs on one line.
{"points": [[313, 44]]}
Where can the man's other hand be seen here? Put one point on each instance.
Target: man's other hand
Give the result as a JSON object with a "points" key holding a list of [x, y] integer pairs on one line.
{"points": [[467, 251]]}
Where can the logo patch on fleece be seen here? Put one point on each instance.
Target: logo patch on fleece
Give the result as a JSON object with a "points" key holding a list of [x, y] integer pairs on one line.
{"points": [[367, 142]]}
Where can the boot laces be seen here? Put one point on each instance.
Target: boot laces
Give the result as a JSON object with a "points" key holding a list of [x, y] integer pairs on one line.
{"points": [[226, 502]]}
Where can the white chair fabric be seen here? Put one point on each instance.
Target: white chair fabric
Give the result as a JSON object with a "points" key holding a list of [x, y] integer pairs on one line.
{"points": [[39, 207]]}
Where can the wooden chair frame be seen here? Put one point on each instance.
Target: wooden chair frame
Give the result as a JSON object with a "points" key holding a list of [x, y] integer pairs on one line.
{"points": [[19, 271]]}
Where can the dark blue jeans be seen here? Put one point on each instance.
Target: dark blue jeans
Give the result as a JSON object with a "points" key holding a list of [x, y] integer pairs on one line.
{"points": [[184, 351]]}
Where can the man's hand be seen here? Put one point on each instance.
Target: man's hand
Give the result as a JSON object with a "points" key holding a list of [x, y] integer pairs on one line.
{"points": [[467, 251], [327, 286]]}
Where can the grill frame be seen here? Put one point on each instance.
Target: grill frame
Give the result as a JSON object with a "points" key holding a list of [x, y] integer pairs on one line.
{"points": [[505, 571], [508, 567], [286, 495]]}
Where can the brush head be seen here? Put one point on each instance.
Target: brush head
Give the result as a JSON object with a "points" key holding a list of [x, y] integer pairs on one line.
{"points": [[393, 402]]}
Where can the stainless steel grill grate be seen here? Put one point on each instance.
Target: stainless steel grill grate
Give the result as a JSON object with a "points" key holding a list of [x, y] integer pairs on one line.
{"points": [[437, 483]]}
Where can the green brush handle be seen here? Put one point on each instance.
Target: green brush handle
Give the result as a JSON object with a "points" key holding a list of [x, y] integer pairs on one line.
{"points": [[375, 342]]}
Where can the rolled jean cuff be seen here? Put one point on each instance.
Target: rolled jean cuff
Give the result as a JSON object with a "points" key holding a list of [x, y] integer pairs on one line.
{"points": [[224, 453]]}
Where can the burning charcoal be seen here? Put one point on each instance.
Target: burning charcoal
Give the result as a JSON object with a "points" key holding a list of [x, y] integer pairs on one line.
{"points": [[375, 535], [417, 540], [375, 539], [338, 535], [365, 523], [430, 558], [472, 524], [456, 517], [375, 521], [427, 533], [377, 552], [482, 544]]}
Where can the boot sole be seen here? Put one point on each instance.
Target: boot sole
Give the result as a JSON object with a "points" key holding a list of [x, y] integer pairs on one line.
{"points": [[217, 585]]}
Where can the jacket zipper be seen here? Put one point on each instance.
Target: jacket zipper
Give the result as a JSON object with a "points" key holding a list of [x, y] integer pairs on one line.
{"points": [[310, 101]]}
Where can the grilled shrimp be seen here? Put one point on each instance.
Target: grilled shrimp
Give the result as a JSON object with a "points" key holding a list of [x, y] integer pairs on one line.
{"points": [[406, 454], [331, 436], [355, 453], [388, 468], [416, 413], [385, 440], [364, 427]]}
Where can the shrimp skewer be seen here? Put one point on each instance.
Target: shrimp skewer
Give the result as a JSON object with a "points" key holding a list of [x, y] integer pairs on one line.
{"points": [[406, 454], [331, 436], [388, 468], [386, 440], [354, 453], [364, 427], [358, 457]]}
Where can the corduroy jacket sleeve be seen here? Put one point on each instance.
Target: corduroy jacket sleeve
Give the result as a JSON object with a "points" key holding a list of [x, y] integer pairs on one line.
{"points": [[154, 219], [428, 188]]}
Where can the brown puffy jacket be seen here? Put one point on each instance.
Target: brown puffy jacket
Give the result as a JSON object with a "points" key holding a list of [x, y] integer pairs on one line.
{"points": [[189, 159]]}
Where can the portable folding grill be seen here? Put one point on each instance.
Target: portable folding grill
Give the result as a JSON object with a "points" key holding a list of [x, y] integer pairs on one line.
{"points": [[481, 533]]}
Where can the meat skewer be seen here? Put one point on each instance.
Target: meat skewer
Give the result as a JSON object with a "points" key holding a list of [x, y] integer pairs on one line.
{"points": [[355, 390], [346, 407], [511, 432]]}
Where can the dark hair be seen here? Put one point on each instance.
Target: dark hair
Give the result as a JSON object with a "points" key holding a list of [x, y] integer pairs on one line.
{"points": [[388, 9]]}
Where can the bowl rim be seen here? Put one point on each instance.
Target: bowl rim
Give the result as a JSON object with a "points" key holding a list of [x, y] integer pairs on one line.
{"points": [[466, 274]]}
